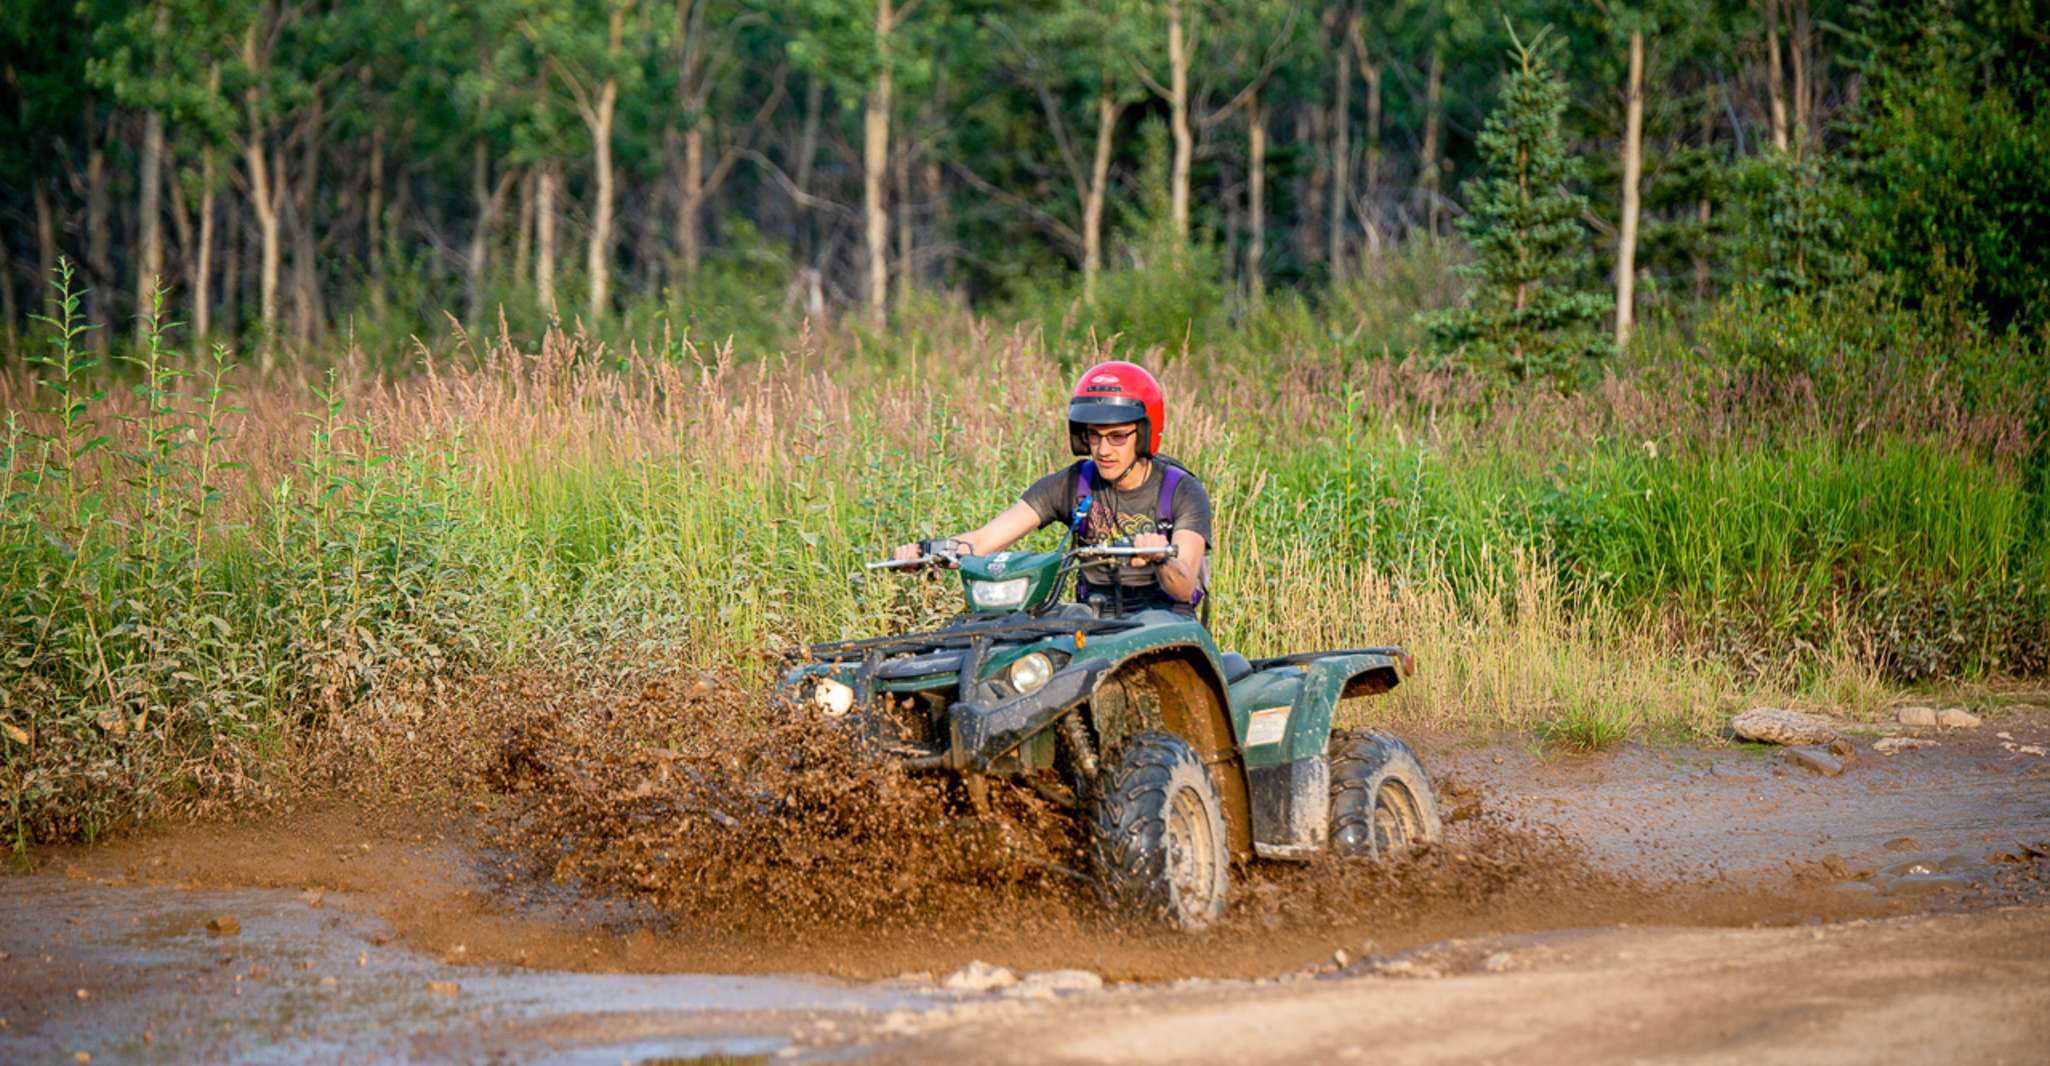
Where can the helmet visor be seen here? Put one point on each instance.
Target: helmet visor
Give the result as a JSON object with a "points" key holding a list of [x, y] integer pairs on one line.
{"points": [[1106, 410]]}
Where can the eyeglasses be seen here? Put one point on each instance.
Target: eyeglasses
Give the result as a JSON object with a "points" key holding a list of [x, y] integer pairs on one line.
{"points": [[1116, 438]]}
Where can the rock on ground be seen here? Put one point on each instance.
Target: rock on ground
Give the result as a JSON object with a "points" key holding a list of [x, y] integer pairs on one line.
{"points": [[1921, 717], [1815, 761], [1896, 745], [1957, 718], [1774, 725]]}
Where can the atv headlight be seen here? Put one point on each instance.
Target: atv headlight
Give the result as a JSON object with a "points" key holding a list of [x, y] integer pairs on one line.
{"points": [[993, 594], [833, 697], [1030, 672]]}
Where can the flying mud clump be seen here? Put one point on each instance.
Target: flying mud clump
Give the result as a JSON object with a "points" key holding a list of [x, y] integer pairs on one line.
{"points": [[731, 811]]}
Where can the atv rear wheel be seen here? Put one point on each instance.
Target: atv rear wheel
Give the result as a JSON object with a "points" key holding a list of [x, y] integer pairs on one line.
{"points": [[1381, 800], [1158, 834]]}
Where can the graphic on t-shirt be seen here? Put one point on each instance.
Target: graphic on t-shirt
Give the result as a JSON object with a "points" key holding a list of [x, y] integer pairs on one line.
{"points": [[1106, 525]]}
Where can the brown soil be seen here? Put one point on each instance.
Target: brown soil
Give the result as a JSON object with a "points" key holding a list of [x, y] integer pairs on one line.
{"points": [[753, 842], [1676, 901]]}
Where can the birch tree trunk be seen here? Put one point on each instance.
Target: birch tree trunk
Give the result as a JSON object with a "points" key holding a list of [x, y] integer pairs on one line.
{"points": [[98, 241], [1434, 93], [231, 268], [1107, 111], [1633, 168], [1370, 72], [307, 314], [1799, 53], [373, 220], [480, 193], [1774, 91], [523, 226], [875, 159], [1256, 198], [1178, 119], [907, 273], [807, 151], [263, 201], [1309, 228], [46, 245], [690, 208], [150, 232], [599, 260], [203, 263], [544, 237], [1341, 160]]}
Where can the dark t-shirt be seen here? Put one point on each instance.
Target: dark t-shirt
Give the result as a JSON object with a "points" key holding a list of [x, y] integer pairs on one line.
{"points": [[1119, 514]]}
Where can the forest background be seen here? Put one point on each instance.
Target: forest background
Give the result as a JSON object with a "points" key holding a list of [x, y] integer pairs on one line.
{"points": [[1629, 361]]}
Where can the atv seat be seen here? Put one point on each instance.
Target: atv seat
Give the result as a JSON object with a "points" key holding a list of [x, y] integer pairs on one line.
{"points": [[1235, 666]]}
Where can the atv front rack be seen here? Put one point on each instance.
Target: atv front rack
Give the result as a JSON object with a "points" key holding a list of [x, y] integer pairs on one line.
{"points": [[966, 634]]}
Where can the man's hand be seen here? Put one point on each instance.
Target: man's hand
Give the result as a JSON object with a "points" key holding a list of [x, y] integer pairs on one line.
{"points": [[1148, 540], [921, 549]]}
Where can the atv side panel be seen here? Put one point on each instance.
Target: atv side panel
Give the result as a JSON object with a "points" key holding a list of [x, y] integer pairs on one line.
{"points": [[1291, 808]]}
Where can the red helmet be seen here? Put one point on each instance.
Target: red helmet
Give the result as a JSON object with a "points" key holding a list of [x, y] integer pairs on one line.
{"points": [[1113, 394]]}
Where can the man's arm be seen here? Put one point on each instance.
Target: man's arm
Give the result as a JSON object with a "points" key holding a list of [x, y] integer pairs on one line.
{"points": [[1179, 574], [1006, 529]]}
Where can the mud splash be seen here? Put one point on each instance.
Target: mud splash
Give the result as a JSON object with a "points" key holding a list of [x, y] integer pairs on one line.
{"points": [[762, 836], [653, 821]]}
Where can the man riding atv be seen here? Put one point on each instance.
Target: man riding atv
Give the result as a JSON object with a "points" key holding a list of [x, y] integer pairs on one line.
{"points": [[1179, 758], [1122, 491]]}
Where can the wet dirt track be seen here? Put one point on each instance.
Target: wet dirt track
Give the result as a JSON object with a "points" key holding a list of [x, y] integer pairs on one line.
{"points": [[1720, 905]]}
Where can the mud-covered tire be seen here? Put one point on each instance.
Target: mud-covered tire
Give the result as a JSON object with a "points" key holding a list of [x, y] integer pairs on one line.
{"points": [[1158, 835], [1381, 799]]}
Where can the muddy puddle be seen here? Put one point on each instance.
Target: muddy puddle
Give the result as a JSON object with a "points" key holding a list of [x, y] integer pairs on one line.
{"points": [[483, 935], [139, 974]]}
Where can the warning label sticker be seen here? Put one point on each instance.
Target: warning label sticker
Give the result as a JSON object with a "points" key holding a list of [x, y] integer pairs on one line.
{"points": [[1267, 726]]}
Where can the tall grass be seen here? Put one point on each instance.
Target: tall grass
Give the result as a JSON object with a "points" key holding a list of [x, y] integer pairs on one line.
{"points": [[210, 576]]}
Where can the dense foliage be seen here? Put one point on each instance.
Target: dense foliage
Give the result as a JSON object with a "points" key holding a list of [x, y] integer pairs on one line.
{"points": [[303, 176], [519, 332]]}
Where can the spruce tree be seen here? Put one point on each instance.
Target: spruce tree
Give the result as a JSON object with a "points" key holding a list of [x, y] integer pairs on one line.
{"points": [[1793, 240], [1534, 310]]}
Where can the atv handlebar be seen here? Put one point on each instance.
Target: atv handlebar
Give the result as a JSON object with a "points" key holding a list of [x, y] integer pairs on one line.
{"points": [[1093, 551]]}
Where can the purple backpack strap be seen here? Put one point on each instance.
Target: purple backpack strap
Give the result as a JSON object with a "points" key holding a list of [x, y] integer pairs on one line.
{"points": [[1168, 482]]}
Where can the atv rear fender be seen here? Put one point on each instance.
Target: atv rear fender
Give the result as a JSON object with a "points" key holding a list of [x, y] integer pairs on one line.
{"points": [[1284, 709]]}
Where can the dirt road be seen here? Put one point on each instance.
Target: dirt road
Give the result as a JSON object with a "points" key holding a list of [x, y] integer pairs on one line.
{"points": [[1670, 904]]}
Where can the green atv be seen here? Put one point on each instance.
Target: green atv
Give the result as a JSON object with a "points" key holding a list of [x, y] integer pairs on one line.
{"points": [[1182, 757]]}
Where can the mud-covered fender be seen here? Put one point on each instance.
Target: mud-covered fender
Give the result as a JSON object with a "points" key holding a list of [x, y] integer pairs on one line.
{"points": [[1284, 712]]}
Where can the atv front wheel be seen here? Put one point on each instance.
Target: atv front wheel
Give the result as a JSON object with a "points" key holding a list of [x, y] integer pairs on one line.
{"points": [[1381, 801], [1159, 837]]}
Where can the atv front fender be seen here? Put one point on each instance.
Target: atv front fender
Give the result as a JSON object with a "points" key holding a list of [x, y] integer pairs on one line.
{"points": [[983, 731]]}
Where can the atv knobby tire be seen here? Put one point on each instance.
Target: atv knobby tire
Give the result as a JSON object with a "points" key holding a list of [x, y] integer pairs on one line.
{"points": [[1158, 834], [1381, 800]]}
